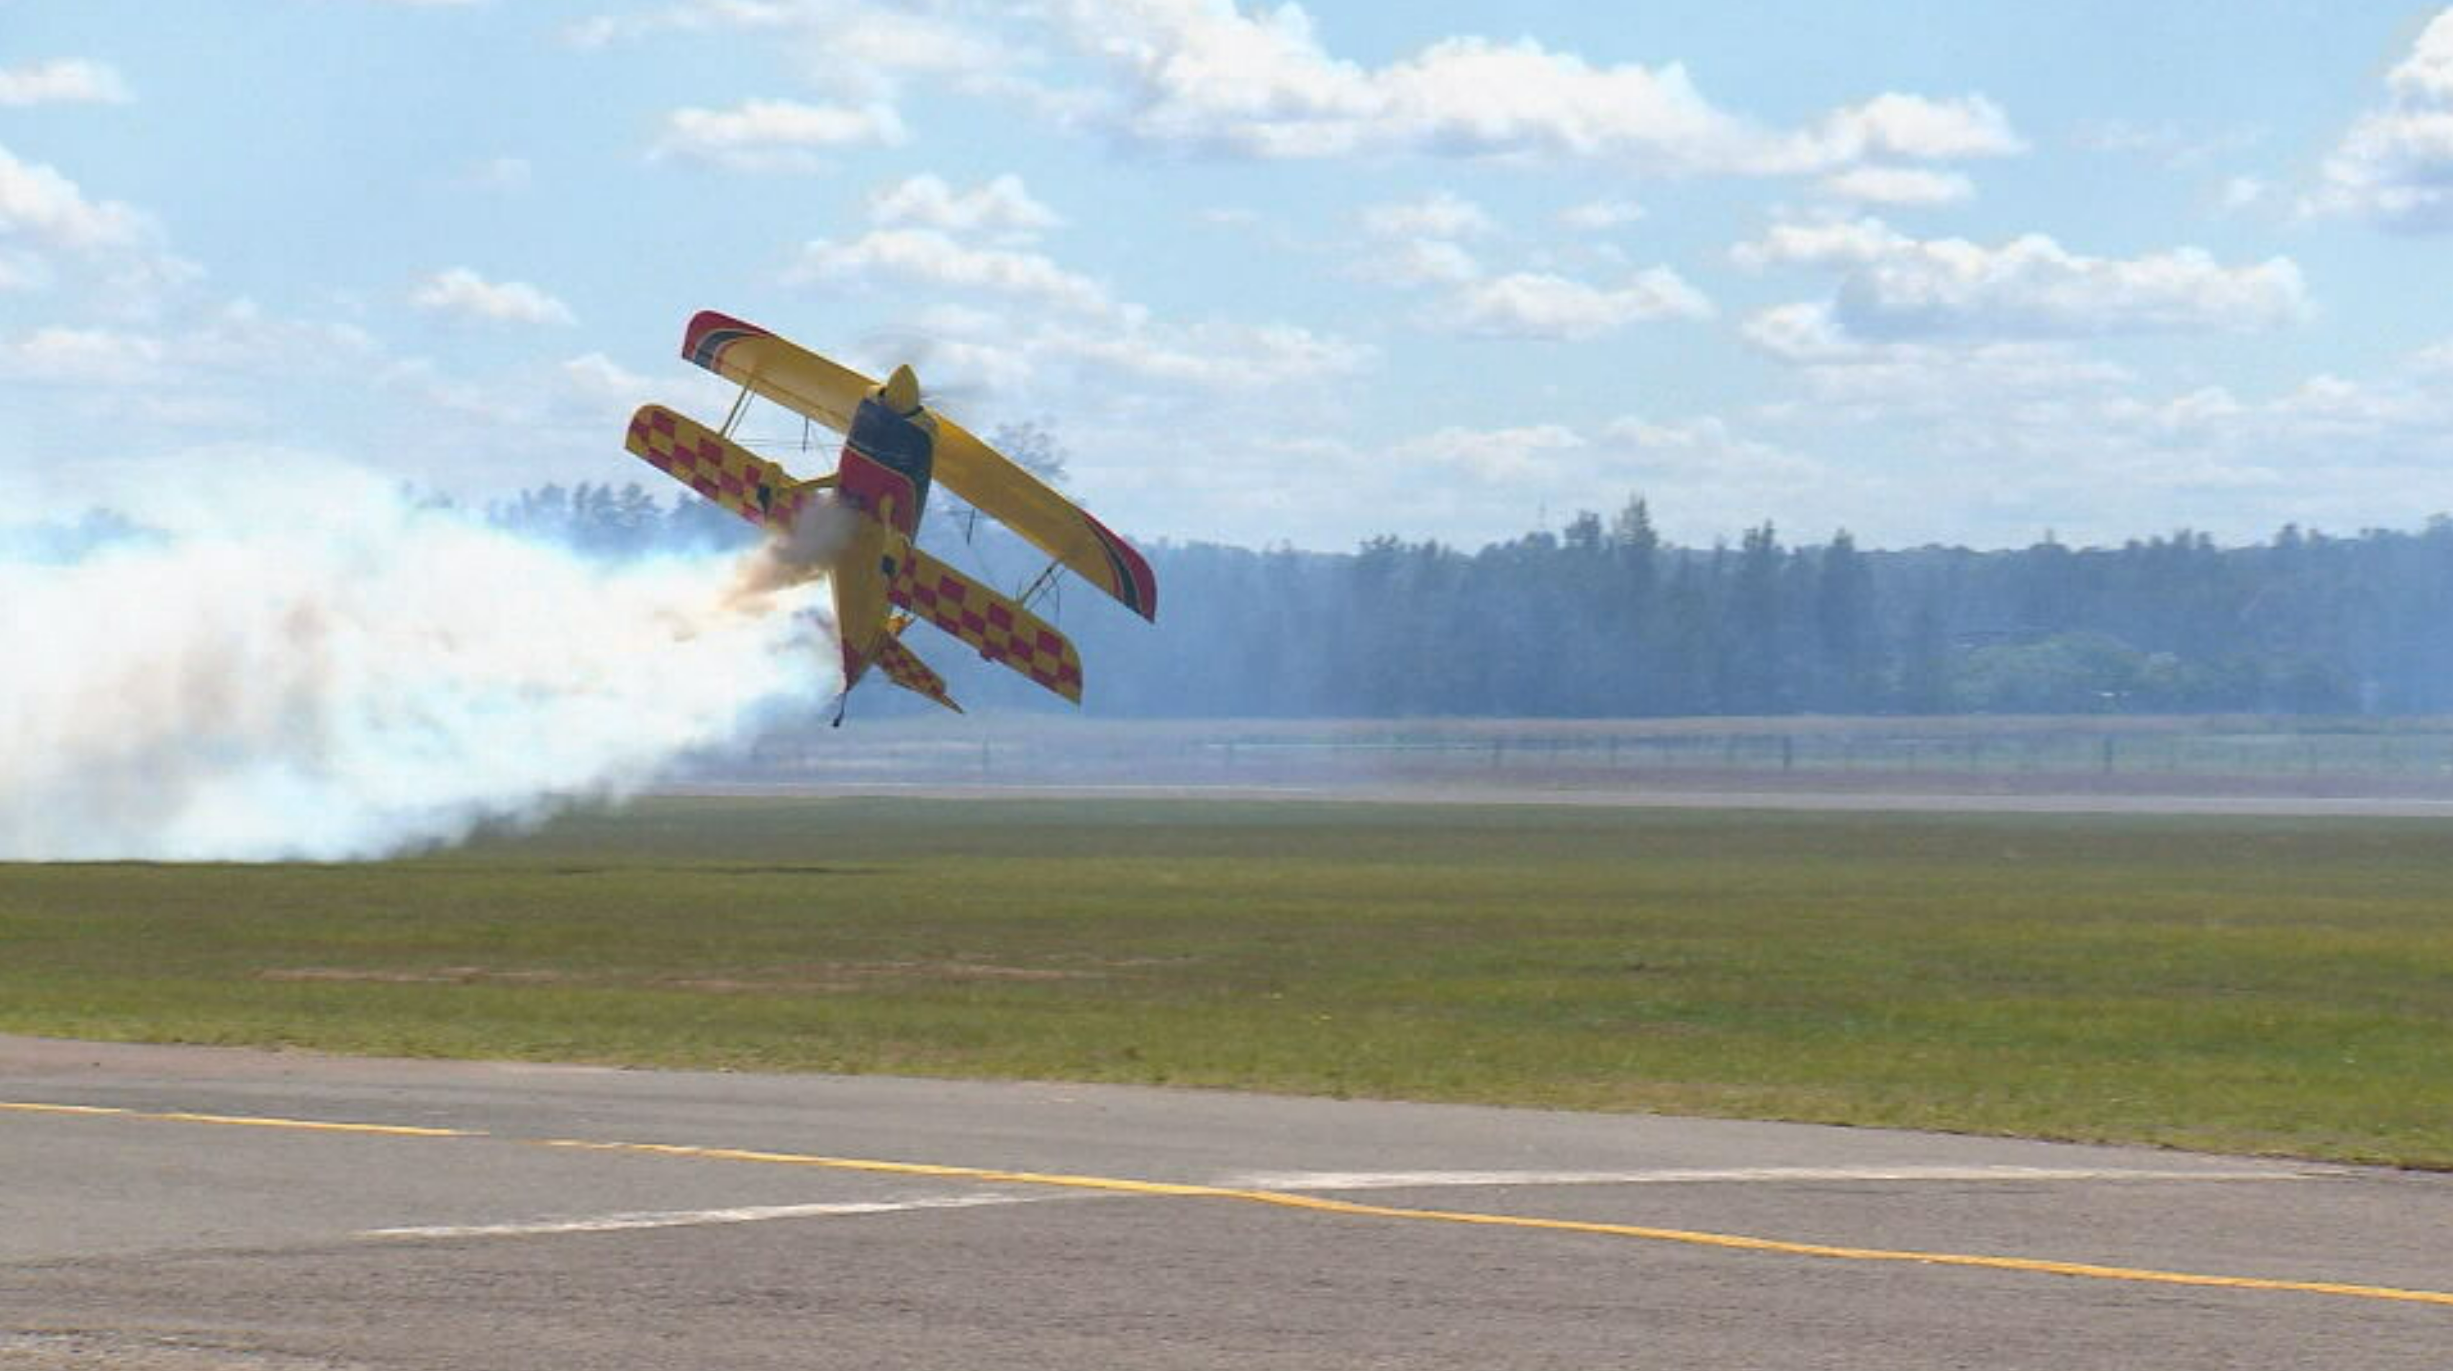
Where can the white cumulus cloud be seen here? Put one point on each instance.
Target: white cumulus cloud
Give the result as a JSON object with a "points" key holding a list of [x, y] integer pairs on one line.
{"points": [[928, 258], [1907, 126], [1807, 335], [1414, 242], [1207, 76], [1595, 215], [460, 291], [1068, 336], [774, 135], [1893, 285], [2394, 166], [40, 203], [1421, 262], [998, 206], [861, 52], [62, 82], [1211, 356], [1540, 305], [82, 357], [1505, 455], [1441, 214], [600, 377], [1898, 186]]}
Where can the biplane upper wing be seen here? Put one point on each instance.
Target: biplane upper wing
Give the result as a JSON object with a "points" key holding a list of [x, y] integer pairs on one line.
{"points": [[779, 369], [717, 467], [1004, 632], [801, 380]]}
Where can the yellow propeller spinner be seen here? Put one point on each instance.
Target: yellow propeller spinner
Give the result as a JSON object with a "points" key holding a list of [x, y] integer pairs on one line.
{"points": [[901, 392]]}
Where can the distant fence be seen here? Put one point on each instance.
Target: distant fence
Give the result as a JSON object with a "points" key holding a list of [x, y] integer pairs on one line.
{"points": [[1585, 752]]}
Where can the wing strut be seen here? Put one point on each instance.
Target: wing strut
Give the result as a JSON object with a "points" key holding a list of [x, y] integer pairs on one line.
{"points": [[1047, 579], [732, 419]]}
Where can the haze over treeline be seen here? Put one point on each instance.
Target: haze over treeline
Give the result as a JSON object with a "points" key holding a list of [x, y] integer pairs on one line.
{"points": [[1603, 618]]}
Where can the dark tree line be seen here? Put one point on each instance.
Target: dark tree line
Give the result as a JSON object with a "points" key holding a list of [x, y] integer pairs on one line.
{"points": [[1605, 618]]}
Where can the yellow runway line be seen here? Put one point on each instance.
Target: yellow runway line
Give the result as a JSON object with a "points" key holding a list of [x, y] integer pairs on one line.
{"points": [[62, 1108], [386, 1129], [1733, 1241], [1318, 1204], [930, 1169], [395, 1130], [1869, 1254]]}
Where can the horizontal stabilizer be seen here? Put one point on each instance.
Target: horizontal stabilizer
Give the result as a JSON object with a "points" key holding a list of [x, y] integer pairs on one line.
{"points": [[1004, 632], [904, 667], [717, 467]]}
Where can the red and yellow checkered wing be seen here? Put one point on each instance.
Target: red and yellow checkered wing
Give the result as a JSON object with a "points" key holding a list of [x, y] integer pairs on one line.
{"points": [[722, 470], [1003, 631]]}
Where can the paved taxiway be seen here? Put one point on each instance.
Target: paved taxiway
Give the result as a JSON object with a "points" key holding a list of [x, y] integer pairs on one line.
{"points": [[190, 1209]]}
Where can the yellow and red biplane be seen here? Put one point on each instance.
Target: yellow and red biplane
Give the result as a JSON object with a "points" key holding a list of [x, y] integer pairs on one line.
{"points": [[894, 449]]}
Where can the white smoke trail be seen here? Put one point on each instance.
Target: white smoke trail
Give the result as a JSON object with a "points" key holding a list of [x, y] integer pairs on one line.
{"points": [[307, 665]]}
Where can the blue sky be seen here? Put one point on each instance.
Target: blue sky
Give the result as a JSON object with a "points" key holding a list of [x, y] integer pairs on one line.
{"points": [[1298, 274]]}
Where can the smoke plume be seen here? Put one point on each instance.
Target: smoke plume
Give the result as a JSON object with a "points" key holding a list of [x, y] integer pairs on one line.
{"points": [[304, 663], [796, 558]]}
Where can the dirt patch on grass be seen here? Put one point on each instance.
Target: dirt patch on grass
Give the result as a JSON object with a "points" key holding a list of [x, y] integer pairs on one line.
{"points": [[867, 975], [445, 975]]}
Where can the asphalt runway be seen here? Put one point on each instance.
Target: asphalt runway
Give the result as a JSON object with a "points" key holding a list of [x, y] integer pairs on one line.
{"points": [[191, 1209]]}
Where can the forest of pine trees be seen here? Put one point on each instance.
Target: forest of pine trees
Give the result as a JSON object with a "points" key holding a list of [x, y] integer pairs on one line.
{"points": [[1606, 619]]}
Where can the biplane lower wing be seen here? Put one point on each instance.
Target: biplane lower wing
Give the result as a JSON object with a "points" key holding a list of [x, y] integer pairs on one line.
{"points": [[1002, 631], [801, 380], [904, 667], [717, 467]]}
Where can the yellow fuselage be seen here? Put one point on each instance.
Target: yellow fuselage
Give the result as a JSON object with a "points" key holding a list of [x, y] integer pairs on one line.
{"points": [[883, 480]]}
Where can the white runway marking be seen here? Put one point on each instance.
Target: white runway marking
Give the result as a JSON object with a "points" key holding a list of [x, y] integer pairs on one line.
{"points": [[1299, 1181], [1408, 1180], [690, 1218]]}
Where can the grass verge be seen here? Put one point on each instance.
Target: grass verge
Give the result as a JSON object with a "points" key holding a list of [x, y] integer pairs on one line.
{"points": [[2247, 985]]}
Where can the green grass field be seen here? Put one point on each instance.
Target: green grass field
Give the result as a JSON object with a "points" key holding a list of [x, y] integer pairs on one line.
{"points": [[2278, 986]]}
